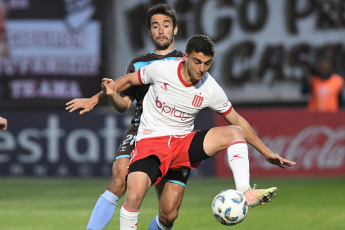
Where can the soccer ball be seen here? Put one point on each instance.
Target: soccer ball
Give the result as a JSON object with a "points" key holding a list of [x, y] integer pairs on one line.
{"points": [[230, 207]]}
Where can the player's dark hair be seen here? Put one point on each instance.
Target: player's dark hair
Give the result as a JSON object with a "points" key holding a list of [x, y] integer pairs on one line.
{"points": [[161, 8], [200, 43]]}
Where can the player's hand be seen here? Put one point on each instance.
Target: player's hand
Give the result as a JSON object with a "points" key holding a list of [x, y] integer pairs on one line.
{"points": [[3, 123], [108, 86], [279, 161], [79, 103]]}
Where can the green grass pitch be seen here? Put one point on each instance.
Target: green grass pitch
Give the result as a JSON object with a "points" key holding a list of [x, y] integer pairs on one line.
{"points": [[63, 204]]}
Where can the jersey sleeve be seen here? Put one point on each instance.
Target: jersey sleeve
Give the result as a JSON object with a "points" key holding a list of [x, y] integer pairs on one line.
{"points": [[219, 101], [148, 73]]}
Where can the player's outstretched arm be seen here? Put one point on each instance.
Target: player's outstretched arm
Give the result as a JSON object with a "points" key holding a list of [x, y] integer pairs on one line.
{"points": [[85, 104], [3, 123], [234, 118], [111, 88], [121, 102]]}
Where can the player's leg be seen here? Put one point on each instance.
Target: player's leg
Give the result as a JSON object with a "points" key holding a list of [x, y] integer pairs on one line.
{"points": [[142, 174], [237, 153], [232, 139], [117, 184], [170, 193], [106, 204]]}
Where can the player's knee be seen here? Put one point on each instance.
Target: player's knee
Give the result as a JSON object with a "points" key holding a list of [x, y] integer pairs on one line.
{"points": [[133, 200], [117, 184], [234, 133], [227, 134]]}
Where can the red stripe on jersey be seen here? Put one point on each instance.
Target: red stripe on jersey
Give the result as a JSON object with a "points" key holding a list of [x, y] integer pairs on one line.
{"points": [[139, 77], [227, 112]]}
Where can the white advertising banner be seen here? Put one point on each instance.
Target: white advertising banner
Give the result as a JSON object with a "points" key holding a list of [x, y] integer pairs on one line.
{"points": [[51, 50], [262, 46]]}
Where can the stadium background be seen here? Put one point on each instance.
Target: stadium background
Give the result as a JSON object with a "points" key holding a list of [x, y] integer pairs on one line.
{"points": [[54, 164], [61, 50]]}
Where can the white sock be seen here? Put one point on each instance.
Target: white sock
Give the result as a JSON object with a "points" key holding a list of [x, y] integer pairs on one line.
{"points": [[237, 153], [128, 219]]}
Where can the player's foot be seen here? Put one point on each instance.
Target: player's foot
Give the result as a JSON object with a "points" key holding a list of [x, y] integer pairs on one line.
{"points": [[260, 196]]}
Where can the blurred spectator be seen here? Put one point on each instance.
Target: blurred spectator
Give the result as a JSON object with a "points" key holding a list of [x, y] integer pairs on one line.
{"points": [[324, 88], [3, 39], [3, 123]]}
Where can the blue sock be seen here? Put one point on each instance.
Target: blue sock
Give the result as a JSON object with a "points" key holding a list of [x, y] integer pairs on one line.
{"points": [[156, 225], [103, 211]]}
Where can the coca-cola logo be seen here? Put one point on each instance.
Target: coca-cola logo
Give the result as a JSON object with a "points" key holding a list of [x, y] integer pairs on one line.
{"points": [[315, 147]]}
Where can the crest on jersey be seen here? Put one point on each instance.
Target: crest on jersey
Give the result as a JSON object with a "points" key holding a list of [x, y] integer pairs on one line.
{"points": [[197, 101]]}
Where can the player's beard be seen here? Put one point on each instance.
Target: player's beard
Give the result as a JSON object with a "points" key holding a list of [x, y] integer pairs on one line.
{"points": [[163, 46]]}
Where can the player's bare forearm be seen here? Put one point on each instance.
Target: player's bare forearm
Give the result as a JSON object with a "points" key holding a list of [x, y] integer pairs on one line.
{"points": [[111, 87], [99, 97], [121, 102], [235, 119], [127, 81]]}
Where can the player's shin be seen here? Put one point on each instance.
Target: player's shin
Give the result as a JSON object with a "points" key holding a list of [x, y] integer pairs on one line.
{"points": [[237, 154], [128, 219]]}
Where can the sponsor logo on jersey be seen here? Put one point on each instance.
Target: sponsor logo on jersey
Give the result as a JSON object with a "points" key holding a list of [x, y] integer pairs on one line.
{"points": [[197, 101], [171, 111], [165, 86], [147, 131]]}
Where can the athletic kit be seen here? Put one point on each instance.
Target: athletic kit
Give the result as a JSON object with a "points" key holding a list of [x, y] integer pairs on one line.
{"points": [[138, 93], [169, 110]]}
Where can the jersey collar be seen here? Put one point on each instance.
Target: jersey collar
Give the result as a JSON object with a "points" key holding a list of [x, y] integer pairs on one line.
{"points": [[153, 52], [179, 74]]}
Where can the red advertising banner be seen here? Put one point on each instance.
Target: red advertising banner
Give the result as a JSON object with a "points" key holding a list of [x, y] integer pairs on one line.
{"points": [[316, 141]]}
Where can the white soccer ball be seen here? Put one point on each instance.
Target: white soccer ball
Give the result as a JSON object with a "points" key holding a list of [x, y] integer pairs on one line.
{"points": [[230, 207]]}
